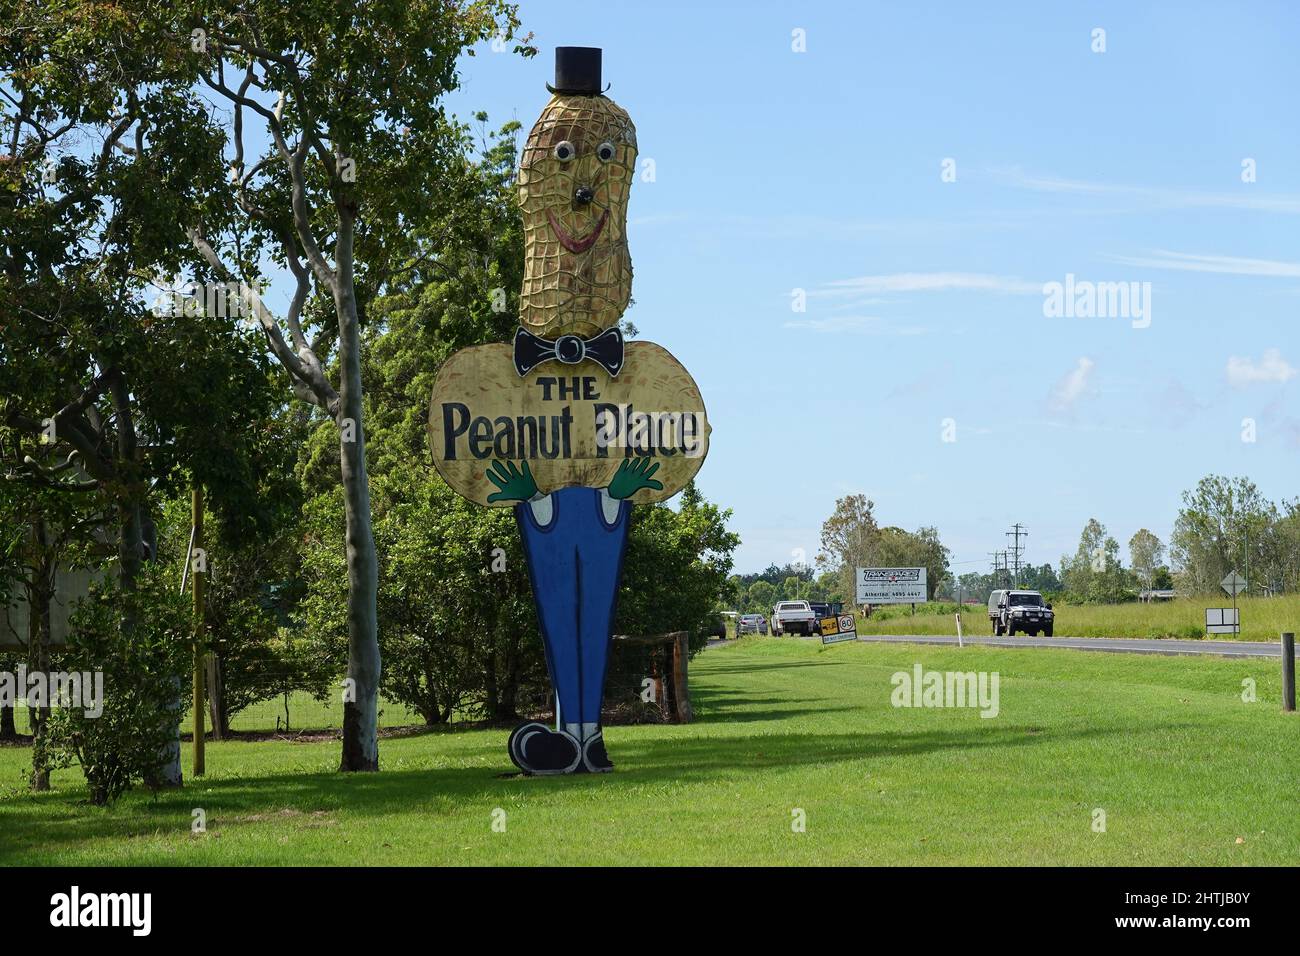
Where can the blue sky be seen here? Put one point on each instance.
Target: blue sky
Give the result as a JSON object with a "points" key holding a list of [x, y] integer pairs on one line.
{"points": [[821, 170]]}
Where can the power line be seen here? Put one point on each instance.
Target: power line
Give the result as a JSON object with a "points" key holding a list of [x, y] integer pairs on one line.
{"points": [[999, 564], [1017, 532]]}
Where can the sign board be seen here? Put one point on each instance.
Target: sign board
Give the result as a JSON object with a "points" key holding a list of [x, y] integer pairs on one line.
{"points": [[573, 428], [840, 627], [891, 586], [568, 424], [1233, 584], [1222, 620]]}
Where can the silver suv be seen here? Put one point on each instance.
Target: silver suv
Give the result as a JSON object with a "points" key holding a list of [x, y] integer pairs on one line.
{"points": [[1023, 611]]}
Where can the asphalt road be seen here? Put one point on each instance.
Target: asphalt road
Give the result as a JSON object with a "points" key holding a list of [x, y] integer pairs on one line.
{"points": [[1120, 645], [1114, 645]]}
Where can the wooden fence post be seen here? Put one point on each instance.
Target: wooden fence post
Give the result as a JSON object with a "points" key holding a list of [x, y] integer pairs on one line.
{"points": [[682, 654], [672, 679], [1288, 671]]}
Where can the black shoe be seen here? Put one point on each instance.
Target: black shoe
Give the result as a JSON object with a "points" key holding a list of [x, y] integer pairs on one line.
{"points": [[539, 750], [594, 757], [512, 744]]}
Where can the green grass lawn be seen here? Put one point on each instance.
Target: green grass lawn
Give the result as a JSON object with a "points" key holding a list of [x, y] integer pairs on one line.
{"points": [[1186, 772], [1262, 619], [302, 713]]}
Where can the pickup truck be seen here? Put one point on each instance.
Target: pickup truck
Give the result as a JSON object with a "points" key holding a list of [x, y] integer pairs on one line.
{"points": [[794, 617], [1024, 611]]}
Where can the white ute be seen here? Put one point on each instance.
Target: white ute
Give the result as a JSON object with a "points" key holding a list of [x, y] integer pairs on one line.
{"points": [[794, 617]]}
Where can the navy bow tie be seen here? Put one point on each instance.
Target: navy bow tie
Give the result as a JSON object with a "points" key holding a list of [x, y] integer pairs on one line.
{"points": [[605, 349]]}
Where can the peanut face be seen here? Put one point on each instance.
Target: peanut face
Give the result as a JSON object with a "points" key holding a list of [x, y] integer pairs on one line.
{"points": [[574, 180]]}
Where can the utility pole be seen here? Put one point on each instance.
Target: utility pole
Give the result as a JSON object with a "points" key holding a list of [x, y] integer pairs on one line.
{"points": [[999, 565], [1246, 555], [1016, 533]]}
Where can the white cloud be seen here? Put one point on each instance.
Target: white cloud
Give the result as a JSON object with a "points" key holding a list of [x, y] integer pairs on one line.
{"points": [[1072, 386], [866, 324], [1224, 265], [1149, 196], [929, 282], [1272, 367]]}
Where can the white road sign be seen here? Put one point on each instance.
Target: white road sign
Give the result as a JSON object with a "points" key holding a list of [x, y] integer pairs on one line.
{"points": [[1234, 583], [1222, 620], [891, 586]]}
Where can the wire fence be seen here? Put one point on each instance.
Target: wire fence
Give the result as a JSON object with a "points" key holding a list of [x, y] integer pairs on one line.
{"points": [[299, 712], [633, 690]]}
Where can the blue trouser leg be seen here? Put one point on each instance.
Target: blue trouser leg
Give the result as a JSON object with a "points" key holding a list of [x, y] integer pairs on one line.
{"points": [[575, 562]]}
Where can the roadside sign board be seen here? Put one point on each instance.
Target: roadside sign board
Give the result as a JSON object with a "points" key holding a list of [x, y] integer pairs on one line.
{"points": [[1221, 620], [1233, 584], [891, 586], [840, 627]]}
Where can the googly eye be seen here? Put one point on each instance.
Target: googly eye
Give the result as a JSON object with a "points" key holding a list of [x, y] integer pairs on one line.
{"points": [[605, 152], [564, 151]]}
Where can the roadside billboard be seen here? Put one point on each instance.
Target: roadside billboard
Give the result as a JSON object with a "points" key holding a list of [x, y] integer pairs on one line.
{"points": [[891, 586]]}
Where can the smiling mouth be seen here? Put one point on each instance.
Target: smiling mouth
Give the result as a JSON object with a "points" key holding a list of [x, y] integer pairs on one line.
{"points": [[572, 244]]}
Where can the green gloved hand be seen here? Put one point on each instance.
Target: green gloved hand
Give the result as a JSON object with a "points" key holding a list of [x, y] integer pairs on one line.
{"points": [[514, 485], [633, 475]]}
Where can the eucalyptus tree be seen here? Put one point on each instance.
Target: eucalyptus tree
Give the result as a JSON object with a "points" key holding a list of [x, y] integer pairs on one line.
{"points": [[338, 147], [107, 400], [328, 127]]}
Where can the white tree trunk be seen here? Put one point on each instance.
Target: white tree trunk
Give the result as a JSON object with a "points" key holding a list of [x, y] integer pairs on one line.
{"points": [[361, 714]]}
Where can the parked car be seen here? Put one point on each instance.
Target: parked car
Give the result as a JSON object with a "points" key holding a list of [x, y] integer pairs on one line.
{"points": [[794, 617], [1023, 611], [719, 628], [833, 609], [751, 624]]}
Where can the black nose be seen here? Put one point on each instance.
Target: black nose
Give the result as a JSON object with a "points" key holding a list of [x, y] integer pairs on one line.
{"points": [[582, 195]]}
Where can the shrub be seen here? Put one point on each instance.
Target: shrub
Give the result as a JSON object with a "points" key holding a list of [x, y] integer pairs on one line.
{"points": [[141, 642]]}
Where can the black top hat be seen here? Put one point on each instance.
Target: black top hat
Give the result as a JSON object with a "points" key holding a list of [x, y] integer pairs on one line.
{"points": [[577, 71]]}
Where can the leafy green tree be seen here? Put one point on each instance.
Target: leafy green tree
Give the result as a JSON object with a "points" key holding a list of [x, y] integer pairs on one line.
{"points": [[1145, 553], [1287, 538], [675, 571], [676, 566], [1041, 578], [253, 585], [139, 640], [43, 530], [849, 538], [1224, 525], [455, 609], [761, 598], [1089, 560], [112, 403], [1095, 574], [359, 151]]}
